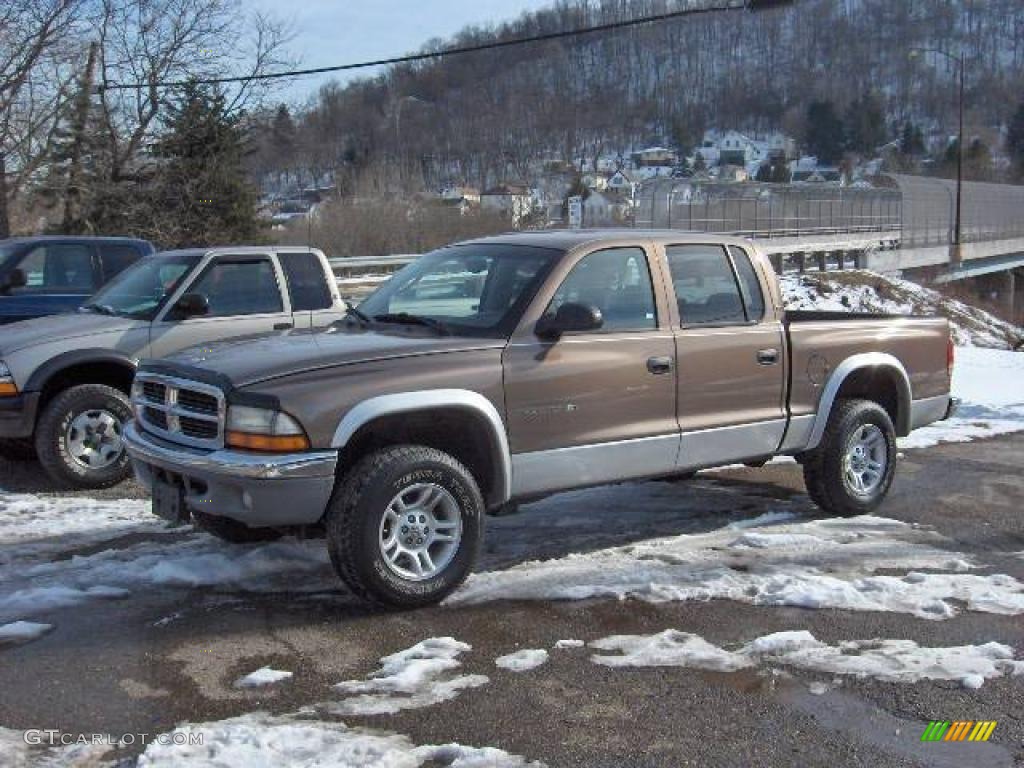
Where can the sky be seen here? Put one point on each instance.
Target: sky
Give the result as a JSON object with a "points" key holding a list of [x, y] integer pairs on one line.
{"points": [[342, 31]]}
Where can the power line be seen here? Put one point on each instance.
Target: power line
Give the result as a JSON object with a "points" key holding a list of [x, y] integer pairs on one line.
{"points": [[731, 5]]}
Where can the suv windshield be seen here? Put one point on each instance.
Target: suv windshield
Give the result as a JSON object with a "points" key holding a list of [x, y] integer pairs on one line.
{"points": [[140, 290], [471, 290]]}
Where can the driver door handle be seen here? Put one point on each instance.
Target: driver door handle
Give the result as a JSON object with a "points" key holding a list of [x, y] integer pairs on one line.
{"points": [[768, 356], [659, 365]]}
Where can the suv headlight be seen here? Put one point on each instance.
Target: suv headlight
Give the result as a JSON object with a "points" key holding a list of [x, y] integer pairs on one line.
{"points": [[7, 386], [262, 429]]}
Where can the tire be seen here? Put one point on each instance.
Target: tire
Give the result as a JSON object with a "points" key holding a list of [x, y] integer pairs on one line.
{"points": [[360, 523], [98, 408], [15, 449], [829, 484], [226, 529]]}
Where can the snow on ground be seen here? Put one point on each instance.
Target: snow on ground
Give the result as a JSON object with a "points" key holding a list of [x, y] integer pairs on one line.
{"points": [[262, 677], [420, 676], [991, 385], [15, 753], [22, 632], [865, 291], [260, 740], [898, 661], [522, 661], [814, 564], [197, 561], [564, 644]]}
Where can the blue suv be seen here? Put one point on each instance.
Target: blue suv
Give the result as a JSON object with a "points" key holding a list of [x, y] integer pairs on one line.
{"points": [[42, 276]]}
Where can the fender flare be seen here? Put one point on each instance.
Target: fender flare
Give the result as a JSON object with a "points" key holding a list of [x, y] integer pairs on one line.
{"points": [[41, 375], [425, 400], [843, 371]]}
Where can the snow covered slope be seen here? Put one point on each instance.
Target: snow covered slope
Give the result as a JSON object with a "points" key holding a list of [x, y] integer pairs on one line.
{"points": [[864, 291]]}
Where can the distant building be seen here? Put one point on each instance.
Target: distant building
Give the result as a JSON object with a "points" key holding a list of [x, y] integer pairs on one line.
{"points": [[602, 208], [728, 172], [654, 157], [621, 183], [469, 194], [513, 201]]}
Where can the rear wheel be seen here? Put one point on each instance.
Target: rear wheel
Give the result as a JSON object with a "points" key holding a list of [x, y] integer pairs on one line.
{"points": [[405, 526], [851, 472], [79, 437]]}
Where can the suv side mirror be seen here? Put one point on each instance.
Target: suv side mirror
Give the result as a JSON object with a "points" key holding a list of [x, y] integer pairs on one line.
{"points": [[192, 305], [570, 318], [16, 278]]}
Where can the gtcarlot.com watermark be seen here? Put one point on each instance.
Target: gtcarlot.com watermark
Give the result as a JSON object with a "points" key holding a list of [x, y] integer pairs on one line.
{"points": [[54, 738]]}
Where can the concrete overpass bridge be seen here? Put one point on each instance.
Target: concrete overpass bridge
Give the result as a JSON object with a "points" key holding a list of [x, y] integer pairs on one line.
{"points": [[904, 228]]}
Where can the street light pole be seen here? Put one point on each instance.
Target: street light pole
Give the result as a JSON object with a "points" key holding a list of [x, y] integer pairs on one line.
{"points": [[956, 247]]}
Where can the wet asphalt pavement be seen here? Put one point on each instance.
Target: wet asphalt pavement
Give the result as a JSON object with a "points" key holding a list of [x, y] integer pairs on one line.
{"points": [[165, 655]]}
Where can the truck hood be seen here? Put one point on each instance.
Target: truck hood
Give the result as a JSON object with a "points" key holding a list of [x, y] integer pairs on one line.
{"points": [[251, 360], [76, 325]]}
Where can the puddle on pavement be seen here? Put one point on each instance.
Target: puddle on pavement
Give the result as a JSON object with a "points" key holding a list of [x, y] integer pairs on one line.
{"points": [[840, 711]]}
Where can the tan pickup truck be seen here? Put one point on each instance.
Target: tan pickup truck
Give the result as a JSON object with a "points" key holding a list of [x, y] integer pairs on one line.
{"points": [[501, 370]]}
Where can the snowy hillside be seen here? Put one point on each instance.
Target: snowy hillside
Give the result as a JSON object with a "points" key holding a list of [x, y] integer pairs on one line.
{"points": [[864, 291]]}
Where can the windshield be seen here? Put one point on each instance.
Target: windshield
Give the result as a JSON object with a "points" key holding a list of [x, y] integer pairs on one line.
{"points": [[472, 290], [142, 289], [6, 251]]}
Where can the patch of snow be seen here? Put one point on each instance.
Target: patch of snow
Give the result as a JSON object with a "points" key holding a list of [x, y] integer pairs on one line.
{"points": [[562, 644], [420, 676], [22, 632], [261, 740], [523, 661], [261, 677], [898, 661], [199, 560], [988, 382], [828, 563], [767, 518]]}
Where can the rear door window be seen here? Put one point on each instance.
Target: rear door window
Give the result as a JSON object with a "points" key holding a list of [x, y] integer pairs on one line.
{"points": [[306, 282], [115, 257], [706, 287], [753, 298]]}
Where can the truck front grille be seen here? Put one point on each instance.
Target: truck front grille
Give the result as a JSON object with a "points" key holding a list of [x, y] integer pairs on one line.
{"points": [[188, 412]]}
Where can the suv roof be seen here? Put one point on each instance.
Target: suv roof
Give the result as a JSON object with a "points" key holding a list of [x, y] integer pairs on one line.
{"points": [[65, 238]]}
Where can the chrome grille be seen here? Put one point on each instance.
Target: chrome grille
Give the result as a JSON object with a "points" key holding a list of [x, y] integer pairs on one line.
{"points": [[179, 410]]}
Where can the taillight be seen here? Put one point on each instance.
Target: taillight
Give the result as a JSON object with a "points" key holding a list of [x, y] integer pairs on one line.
{"points": [[950, 357]]}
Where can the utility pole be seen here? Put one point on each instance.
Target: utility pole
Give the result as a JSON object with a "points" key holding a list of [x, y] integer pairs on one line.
{"points": [[83, 101]]}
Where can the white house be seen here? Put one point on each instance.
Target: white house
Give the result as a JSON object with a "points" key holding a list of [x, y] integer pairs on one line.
{"points": [[514, 201], [622, 183]]}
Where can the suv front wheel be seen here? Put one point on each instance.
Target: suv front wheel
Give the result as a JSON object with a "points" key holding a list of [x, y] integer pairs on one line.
{"points": [[79, 437], [405, 525]]}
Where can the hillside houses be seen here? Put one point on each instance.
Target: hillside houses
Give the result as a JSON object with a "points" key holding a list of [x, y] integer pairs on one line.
{"points": [[513, 201]]}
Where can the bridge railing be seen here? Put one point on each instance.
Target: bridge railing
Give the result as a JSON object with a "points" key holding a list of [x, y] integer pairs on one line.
{"points": [[990, 211], [765, 210]]}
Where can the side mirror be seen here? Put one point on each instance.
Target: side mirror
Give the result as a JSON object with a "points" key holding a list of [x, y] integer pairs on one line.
{"points": [[192, 305], [570, 318], [16, 278]]}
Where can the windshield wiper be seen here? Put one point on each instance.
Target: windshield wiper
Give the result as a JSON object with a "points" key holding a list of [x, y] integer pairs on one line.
{"points": [[352, 309], [102, 309], [404, 318]]}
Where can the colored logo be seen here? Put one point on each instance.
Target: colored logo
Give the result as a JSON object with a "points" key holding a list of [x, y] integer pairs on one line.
{"points": [[958, 730]]}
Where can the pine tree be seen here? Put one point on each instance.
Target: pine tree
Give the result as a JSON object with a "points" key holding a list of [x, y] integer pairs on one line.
{"points": [[201, 195], [865, 124], [825, 136]]}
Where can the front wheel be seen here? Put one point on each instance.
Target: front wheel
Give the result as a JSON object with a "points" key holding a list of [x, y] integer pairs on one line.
{"points": [[851, 472], [79, 437], [405, 526]]}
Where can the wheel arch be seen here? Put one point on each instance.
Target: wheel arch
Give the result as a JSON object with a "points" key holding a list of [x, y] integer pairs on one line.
{"points": [[875, 376], [82, 366], [460, 422]]}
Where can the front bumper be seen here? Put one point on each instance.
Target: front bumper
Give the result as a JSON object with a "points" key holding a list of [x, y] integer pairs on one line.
{"points": [[260, 490], [18, 415]]}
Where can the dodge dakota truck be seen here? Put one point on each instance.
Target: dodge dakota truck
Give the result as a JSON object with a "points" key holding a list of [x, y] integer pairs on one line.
{"points": [[505, 369], [65, 379]]}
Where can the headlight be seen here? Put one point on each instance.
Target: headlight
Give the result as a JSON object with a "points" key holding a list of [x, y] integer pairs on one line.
{"points": [[7, 386], [262, 429]]}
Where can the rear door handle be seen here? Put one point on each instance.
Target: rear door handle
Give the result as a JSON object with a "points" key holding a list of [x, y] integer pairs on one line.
{"points": [[659, 365], [768, 356]]}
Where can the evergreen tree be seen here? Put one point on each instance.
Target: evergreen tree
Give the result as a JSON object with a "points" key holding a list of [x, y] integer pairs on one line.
{"points": [[699, 164], [200, 194], [825, 137], [776, 171], [978, 161], [1015, 141], [865, 124]]}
